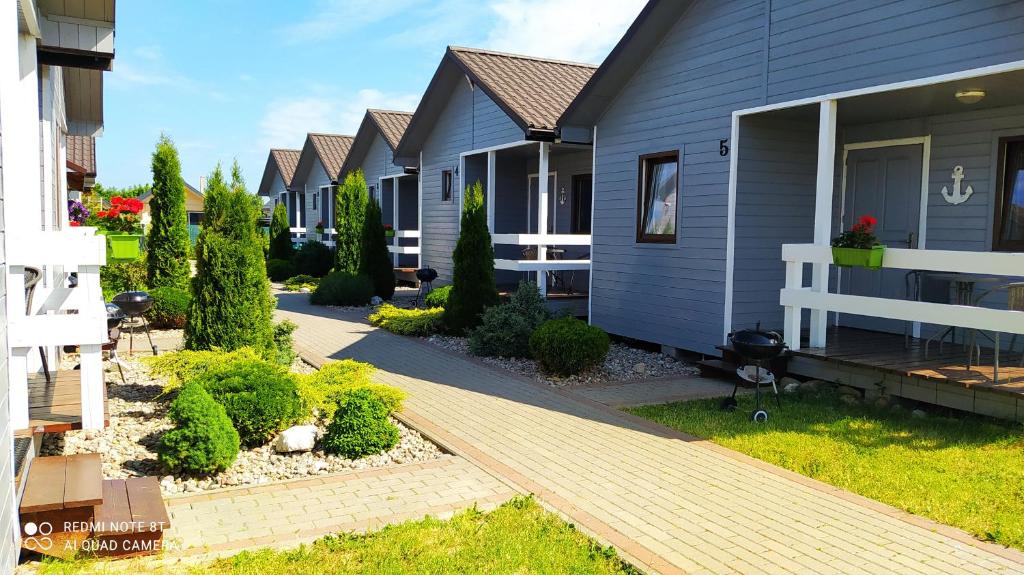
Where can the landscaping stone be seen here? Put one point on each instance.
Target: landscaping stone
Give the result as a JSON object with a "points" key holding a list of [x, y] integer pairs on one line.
{"points": [[791, 387], [296, 438], [883, 402], [847, 390], [918, 414], [849, 399], [812, 385]]}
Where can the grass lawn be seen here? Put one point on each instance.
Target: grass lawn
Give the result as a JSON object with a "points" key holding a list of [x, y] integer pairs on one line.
{"points": [[519, 537], [967, 471]]}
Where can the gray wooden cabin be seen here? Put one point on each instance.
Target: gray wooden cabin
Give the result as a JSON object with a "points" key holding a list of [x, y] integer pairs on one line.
{"points": [[314, 185], [277, 176], [787, 121], [490, 117], [396, 188]]}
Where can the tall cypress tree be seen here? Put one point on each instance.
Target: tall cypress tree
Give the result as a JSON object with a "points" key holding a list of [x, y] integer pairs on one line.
{"points": [[350, 209], [375, 258], [280, 235], [231, 302], [167, 245], [473, 287]]}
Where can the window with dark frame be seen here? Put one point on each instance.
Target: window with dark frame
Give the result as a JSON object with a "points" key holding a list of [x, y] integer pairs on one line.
{"points": [[582, 200], [657, 195], [447, 183], [1009, 217]]}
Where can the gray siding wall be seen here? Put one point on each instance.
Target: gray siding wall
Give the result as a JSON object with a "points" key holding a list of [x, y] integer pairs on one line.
{"points": [[8, 551], [469, 121], [311, 182], [379, 162]]}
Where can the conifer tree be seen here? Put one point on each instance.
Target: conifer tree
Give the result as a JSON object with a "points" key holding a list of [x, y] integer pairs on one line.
{"points": [[168, 243], [280, 235], [375, 257], [473, 287], [350, 212]]}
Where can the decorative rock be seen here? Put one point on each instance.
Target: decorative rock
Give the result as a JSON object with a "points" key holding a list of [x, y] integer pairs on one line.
{"points": [[304, 290], [847, 390], [376, 300], [849, 399], [791, 387], [297, 438], [811, 385], [640, 368], [882, 402], [918, 414]]}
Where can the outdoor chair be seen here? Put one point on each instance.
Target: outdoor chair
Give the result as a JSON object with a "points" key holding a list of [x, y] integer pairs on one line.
{"points": [[1014, 302], [32, 277]]}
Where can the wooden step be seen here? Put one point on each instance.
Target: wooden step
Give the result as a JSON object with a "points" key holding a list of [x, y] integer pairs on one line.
{"points": [[59, 502], [131, 520]]}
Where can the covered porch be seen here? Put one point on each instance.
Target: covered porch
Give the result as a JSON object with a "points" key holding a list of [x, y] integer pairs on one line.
{"points": [[540, 226], [398, 196], [938, 163]]}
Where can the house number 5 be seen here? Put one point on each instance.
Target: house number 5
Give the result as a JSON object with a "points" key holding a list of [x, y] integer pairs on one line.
{"points": [[723, 147]]}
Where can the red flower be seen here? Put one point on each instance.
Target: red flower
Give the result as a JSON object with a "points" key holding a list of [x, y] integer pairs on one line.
{"points": [[116, 200], [101, 214], [74, 224], [868, 221]]}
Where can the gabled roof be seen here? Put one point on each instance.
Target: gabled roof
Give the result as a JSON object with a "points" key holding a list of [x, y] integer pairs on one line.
{"points": [[328, 149], [389, 124], [533, 92], [642, 37], [82, 155], [148, 194], [279, 161]]}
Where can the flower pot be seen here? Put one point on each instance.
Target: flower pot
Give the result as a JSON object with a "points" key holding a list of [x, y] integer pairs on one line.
{"points": [[389, 233], [124, 247], [858, 257]]}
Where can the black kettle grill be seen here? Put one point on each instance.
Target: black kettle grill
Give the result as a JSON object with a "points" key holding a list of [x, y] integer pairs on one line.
{"points": [[135, 304], [758, 347], [426, 277]]}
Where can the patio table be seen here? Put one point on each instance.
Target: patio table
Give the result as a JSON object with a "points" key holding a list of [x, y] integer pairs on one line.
{"points": [[963, 287]]}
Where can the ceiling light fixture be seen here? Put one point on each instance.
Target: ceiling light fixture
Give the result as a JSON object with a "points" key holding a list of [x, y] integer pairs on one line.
{"points": [[970, 96]]}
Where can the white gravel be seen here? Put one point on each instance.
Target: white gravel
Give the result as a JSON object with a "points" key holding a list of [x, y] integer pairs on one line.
{"points": [[623, 363], [138, 419]]}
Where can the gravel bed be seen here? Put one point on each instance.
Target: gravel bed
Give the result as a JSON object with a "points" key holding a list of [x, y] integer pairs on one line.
{"points": [[623, 363], [138, 420]]}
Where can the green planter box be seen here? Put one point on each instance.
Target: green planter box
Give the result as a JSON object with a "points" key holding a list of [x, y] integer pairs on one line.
{"points": [[124, 247], [389, 233], [858, 258]]}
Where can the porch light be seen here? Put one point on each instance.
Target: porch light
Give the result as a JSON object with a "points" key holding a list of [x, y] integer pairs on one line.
{"points": [[970, 96], [561, 196]]}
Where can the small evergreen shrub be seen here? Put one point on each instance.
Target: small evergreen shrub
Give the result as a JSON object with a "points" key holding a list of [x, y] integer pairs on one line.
{"points": [[280, 235], [170, 305], [314, 258], [342, 288], [350, 213], [438, 297], [260, 397], [321, 390], [418, 322], [567, 346], [360, 426], [473, 288], [280, 270], [296, 283], [283, 341], [505, 329], [183, 366], [203, 441], [375, 259], [167, 245], [121, 277]]}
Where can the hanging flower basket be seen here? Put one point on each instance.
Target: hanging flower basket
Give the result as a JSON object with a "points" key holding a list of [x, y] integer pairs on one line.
{"points": [[389, 231], [859, 246], [858, 257], [124, 247]]}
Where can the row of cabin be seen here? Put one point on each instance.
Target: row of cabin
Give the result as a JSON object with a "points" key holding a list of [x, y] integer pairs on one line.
{"points": [[657, 190]]}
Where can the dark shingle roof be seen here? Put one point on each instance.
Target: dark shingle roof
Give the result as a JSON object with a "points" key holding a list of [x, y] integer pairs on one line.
{"points": [[286, 161], [391, 123], [332, 150], [82, 153], [533, 91]]}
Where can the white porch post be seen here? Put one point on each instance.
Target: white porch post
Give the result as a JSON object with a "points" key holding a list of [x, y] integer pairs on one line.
{"points": [[491, 168], [823, 214], [542, 215], [419, 212], [792, 319], [394, 216]]}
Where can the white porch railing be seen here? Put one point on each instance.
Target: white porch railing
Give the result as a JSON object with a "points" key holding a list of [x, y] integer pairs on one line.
{"points": [[49, 324], [795, 298], [397, 250], [542, 264]]}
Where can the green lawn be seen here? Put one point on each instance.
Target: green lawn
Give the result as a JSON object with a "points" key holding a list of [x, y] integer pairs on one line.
{"points": [[519, 537], [966, 471]]}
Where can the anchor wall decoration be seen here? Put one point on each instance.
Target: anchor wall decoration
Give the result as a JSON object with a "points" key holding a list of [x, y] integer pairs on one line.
{"points": [[958, 196]]}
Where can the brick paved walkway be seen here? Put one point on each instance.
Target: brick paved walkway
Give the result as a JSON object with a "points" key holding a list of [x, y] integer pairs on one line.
{"points": [[286, 514], [671, 503]]}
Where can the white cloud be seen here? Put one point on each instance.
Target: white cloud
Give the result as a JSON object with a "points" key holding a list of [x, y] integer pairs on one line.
{"points": [[334, 17], [580, 30], [288, 120]]}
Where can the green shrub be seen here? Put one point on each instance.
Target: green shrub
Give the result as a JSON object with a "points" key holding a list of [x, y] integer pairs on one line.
{"points": [[260, 397], [342, 288], [360, 426], [203, 440], [473, 288], [314, 258], [438, 297], [280, 235], [321, 390], [170, 306], [121, 277], [375, 259], [167, 244], [231, 301], [350, 213], [283, 341], [185, 365], [296, 283], [279, 270], [505, 329], [567, 346], [408, 321]]}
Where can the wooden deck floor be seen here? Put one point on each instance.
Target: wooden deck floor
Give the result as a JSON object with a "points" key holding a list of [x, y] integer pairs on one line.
{"points": [[57, 406], [889, 353]]}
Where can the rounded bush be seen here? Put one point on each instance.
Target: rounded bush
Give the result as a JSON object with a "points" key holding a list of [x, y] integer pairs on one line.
{"points": [[567, 346], [260, 397], [203, 440], [170, 306], [438, 297], [342, 288], [360, 426], [280, 270], [322, 389], [313, 258], [505, 330]]}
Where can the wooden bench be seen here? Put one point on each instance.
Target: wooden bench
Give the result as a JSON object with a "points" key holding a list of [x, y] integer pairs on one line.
{"points": [[131, 520]]}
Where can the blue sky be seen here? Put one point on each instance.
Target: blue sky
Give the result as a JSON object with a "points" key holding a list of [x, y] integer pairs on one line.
{"points": [[232, 78]]}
